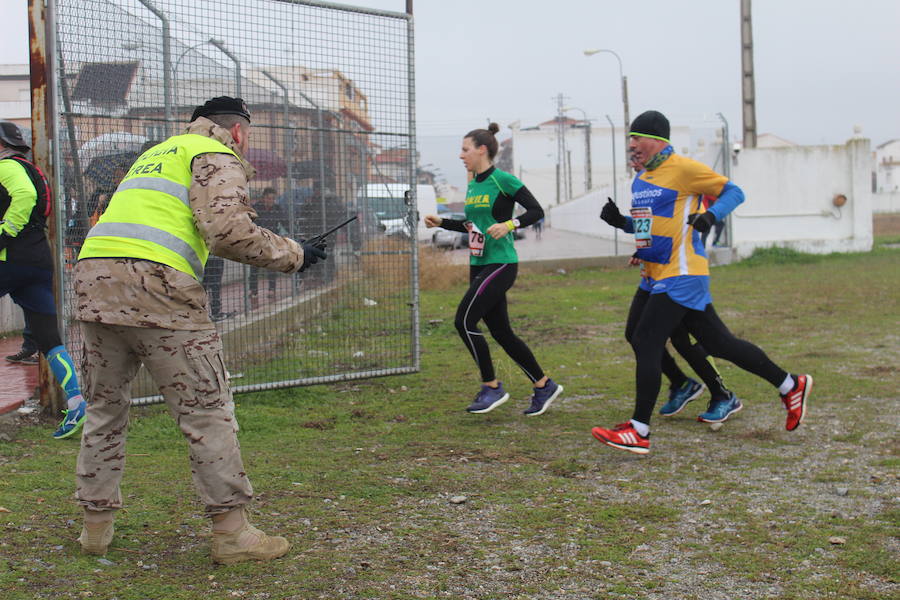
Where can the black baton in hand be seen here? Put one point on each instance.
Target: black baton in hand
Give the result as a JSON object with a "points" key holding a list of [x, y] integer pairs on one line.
{"points": [[318, 240]]}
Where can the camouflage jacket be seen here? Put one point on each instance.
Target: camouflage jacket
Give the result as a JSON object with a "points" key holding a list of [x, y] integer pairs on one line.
{"points": [[141, 293]]}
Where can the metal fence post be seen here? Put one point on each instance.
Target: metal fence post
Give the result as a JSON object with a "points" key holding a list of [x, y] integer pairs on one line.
{"points": [[414, 236], [40, 30]]}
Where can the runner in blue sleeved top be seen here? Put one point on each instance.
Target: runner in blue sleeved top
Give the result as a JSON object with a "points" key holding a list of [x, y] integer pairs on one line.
{"points": [[682, 389], [490, 198], [667, 220]]}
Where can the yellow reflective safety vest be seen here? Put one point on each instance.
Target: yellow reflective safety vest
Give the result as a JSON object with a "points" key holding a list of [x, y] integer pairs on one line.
{"points": [[149, 216]]}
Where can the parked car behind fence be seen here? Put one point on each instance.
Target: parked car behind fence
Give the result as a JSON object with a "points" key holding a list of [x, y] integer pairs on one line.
{"points": [[444, 238]]}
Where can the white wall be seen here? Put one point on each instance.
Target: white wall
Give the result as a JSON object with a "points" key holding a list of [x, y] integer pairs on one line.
{"points": [[582, 215], [886, 202], [789, 193], [15, 105], [11, 320]]}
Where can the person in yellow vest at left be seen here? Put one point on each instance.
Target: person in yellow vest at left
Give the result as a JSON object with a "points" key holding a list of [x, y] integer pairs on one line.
{"points": [[140, 300], [26, 265]]}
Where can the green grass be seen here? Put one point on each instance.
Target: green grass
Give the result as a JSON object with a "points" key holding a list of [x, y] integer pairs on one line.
{"points": [[887, 239], [359, 475], [780, 256]]}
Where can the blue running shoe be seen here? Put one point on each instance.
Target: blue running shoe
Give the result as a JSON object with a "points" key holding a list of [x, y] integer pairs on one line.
{"points": [[73, 421], [719, 410], [543, 397], [488, 399], [680, 396]]}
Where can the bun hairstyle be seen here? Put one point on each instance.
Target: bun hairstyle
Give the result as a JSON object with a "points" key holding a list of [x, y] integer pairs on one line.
{"points": [[485, 137]]}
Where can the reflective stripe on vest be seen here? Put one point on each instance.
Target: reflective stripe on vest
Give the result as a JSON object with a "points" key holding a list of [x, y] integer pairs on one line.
{"points": [[157, 184], [151, 234], [149, 216]]}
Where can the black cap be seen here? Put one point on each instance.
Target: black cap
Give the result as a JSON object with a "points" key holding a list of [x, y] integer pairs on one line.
{"points": [[12, 136], [222, 105], [651, 124]]}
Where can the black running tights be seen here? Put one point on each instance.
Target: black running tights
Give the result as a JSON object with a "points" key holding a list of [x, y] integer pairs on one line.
{"points": [[486, 300], [660, 317], [695, 354]]}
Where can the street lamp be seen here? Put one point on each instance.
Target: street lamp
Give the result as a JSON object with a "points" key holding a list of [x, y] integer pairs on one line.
{"points": [[587, 146], [178, 62], [237, 63], [624, 95], [167, 60]]}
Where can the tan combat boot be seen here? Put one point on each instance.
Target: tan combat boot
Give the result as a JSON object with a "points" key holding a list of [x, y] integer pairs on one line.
{"points": [[246, 542], [96, 534]]}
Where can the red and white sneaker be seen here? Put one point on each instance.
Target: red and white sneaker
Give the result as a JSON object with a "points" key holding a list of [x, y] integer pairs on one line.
{"points": [[795, 401], [624, 437]]}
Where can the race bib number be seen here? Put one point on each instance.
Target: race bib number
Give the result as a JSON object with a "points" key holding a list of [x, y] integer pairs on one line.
{"points": [[476, 239], [643, 223]]}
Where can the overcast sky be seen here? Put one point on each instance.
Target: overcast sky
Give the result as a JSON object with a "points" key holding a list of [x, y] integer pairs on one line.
{"points": [[822, 66]]}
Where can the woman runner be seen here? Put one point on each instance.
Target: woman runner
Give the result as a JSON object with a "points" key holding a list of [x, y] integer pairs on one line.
{"points": [[490, 199]]}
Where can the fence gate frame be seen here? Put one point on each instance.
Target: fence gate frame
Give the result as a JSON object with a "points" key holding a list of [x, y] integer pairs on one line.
{"points": [[52, 114]]}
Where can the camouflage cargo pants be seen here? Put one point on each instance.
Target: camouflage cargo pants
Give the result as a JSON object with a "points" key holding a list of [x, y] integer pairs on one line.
{"points": [[188, 369]]}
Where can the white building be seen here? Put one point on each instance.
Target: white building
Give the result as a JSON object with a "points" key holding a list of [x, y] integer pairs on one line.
{"points": [[15, 94], [886, 178], [887, 167]]}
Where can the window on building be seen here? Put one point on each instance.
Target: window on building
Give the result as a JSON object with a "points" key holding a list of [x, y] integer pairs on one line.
{"points": [[155, 132]]}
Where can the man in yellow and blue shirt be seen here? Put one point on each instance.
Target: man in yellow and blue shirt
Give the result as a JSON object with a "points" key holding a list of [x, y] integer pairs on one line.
{"points": [[667, 218], [682, 388]]}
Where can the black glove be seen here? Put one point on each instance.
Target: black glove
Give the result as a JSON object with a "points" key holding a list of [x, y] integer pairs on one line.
{"points": [[702, 222], [611, 215], [312, 252]]}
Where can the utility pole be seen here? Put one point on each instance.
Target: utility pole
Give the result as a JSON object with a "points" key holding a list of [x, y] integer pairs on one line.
{"points": [[587, 156], [615, 183], [748, 86], [561, 156]]}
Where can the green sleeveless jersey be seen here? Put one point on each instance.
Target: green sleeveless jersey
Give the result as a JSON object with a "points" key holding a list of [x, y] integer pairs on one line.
{"points": [[480, 198]]}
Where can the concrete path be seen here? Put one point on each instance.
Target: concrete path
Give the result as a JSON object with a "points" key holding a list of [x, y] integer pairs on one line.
{"points": [[19, 381]]}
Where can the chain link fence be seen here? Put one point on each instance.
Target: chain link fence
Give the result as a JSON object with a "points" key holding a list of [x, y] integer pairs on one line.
{"points": [[330, 89]]}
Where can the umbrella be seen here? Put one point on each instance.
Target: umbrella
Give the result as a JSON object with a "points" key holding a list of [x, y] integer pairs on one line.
{"points": [[309, 169], [268, 164], [102, 169], [108, 144]]}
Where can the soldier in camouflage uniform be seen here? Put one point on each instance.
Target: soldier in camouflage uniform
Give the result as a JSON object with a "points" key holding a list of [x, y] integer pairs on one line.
{"points": [[154, 311]]}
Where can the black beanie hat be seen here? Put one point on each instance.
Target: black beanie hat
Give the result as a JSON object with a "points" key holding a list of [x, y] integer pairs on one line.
{"points": [[12, 136], [651, 124], [222, 105]]}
